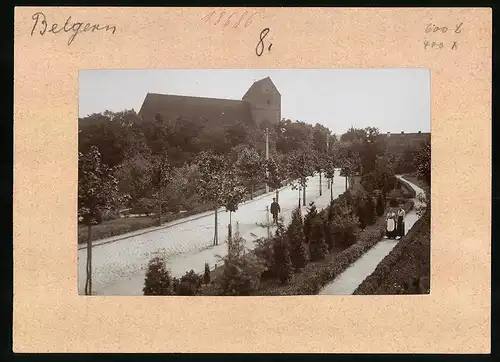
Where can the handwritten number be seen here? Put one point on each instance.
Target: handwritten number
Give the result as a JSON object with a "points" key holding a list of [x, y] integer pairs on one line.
{"points": [[454, 45], [249, 20], [259, 49], [239, 21], [208, 17], [220, 17], [228, 21]]}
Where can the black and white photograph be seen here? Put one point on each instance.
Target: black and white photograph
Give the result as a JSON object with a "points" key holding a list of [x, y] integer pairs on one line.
{"points": [[254, 182]]}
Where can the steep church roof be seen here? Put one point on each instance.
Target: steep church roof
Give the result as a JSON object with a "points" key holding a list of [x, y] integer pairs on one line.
{"points": [[214, 110], [260, 82]]}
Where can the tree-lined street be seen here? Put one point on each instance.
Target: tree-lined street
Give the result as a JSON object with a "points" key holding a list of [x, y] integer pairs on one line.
{"points": [[119, 266]]}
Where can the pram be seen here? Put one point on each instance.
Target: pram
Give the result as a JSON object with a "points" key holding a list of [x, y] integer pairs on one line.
{"points": [[390, 229]]}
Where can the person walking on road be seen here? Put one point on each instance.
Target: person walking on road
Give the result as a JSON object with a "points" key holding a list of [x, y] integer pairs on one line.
{"points": [[275, 210]]}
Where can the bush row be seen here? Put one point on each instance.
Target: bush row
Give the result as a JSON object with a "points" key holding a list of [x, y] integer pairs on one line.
{"points": [[306, 239], [340, 262], [371, 284]]}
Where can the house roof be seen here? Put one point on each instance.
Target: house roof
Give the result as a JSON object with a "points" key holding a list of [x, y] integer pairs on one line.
{"points": [[402, 140], [214, 110]]}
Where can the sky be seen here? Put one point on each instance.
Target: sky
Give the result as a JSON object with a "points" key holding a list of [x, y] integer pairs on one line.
{"points": [[391, 99]]}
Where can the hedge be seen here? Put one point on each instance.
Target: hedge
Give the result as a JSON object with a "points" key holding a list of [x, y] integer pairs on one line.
{"points": [[342, 261], [371, 284]]}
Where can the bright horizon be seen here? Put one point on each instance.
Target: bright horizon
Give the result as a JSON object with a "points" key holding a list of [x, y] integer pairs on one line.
{"points": [[393, 100]]}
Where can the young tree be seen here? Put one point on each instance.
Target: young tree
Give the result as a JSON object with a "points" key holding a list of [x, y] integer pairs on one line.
{"points": [[330, 165], [319, 161], [161, 179], [97, 192], [158, 280], [282, 261], [250, 166], [295, 233], [276, 172], [211, 184], [299, 169], [233, 194]]}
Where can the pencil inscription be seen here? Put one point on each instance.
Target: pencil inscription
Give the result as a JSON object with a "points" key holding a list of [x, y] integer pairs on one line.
{"points": [[225, 19], [439, 40], [41, 24]]}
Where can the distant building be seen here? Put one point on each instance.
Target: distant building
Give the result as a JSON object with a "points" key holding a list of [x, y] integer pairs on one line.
{"points": [[260, 104], [398, 142]]}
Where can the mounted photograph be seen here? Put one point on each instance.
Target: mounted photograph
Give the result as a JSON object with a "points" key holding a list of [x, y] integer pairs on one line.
{"points": [[254, 182]]}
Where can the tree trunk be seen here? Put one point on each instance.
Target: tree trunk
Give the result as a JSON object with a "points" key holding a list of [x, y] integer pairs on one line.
{"points": [[320, 188], [346, 182], [331, 190], [229, 234], [88, 281], [304, 195], [216, 233], [277, 195], [329, 184], [299, 198], [159, 213], [251, 191]]}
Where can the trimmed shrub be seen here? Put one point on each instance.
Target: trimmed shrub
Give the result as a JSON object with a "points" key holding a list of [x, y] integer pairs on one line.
{"points": [[282, 262], [241, 272], [360, 211], [312, 213], [158, 280], [317, 244], [369, 182], [206, 274], [370, 210], [189, 284], [295, 233], [328, 234], [344, 227], [265, 252], [341, 261], [380, 204]]}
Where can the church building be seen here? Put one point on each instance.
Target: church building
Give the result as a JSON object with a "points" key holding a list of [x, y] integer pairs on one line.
{"points": [[260, 104]]}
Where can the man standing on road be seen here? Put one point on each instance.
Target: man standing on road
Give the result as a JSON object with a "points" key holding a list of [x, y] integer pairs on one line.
{"points": [[275, 210]]}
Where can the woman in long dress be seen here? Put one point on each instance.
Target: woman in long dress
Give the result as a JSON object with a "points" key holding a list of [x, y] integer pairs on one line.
{"points": [[401, 222], [391, 224]]}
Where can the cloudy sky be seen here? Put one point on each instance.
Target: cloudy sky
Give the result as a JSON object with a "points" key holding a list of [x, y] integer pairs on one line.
{"points": [[393, 100]]}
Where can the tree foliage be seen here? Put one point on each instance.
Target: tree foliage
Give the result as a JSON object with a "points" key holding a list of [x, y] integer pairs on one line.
{"points": [[97, 187], [423, 163], [295, 233], [282, 261]]}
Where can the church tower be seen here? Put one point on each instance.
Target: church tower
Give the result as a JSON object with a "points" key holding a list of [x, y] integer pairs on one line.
{"points": [[265, 102]]}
